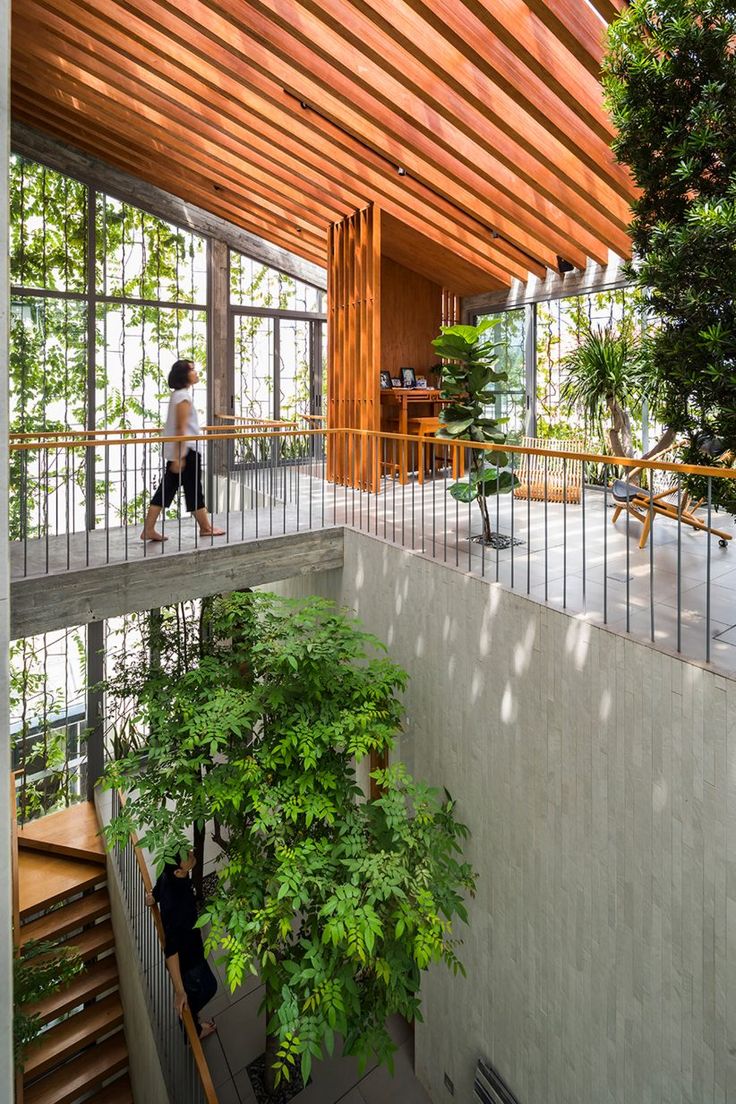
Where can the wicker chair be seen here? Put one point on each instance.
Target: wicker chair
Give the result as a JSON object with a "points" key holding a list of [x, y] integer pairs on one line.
{"points": [[550, 478]]}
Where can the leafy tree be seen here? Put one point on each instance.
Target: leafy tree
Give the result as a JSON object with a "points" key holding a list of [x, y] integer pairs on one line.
{"points": [[468, 378], [338, 901], [606, 379], [670, 79], [41, 968]]}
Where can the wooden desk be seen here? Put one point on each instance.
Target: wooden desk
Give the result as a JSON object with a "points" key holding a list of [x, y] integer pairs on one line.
{"points": [[398, 405]]}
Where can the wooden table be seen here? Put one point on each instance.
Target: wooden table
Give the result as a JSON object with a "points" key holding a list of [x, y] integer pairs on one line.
{"points": [[398, 405]]}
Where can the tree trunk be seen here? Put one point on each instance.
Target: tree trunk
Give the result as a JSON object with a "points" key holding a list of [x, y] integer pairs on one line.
{"points": [[272, 1047], [477, 466], [619, 435], [198, 872]]}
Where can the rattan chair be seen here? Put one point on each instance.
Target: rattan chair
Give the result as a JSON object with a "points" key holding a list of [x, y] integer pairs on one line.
{"points": [[550, 478]]}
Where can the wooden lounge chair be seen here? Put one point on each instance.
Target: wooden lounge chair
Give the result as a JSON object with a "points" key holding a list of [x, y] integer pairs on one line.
{"points": [[550, 477], [644, 504]]}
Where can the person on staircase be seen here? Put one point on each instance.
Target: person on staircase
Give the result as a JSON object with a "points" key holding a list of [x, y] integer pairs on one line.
{"points": [[183, 462], [194, 982]]}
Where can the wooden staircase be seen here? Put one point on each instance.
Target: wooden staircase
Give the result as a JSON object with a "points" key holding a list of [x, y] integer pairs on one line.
{"points": [[81, 1055]]}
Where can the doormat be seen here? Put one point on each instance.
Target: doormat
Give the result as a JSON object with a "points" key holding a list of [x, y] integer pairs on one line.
{"points": [[497, 541]]}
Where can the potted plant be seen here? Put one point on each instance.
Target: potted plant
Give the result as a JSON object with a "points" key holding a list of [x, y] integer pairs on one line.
{"points": [[468, 378]]}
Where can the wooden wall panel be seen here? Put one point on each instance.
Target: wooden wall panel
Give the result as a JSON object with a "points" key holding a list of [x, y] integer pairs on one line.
{"points": [[411, 314], [354, 341]]}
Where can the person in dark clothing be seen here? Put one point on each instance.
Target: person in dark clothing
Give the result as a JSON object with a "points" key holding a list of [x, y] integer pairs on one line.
{"points": [[194, 982]]}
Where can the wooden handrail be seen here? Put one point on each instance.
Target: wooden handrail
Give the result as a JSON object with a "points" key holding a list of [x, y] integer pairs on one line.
{"points": [[521, 450], [194, 1041]]}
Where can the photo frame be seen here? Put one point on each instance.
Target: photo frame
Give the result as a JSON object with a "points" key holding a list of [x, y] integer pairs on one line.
{"points": [[408, 377], [386, 381]]}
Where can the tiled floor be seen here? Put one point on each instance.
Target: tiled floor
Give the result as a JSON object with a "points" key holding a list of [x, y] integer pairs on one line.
{"points": [[240, 1039], [679, 592]]}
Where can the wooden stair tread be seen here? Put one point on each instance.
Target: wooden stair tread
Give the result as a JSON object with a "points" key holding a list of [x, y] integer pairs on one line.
{"points": [[82, 1075], [93, 941], [74, 832], [44, 880], [61, 921], [70, 1036], [119, 1092], [94, 980]]}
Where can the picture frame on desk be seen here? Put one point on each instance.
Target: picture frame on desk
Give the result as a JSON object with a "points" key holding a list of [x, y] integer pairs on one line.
{"points": [[408, 377], [396, 381], [386, 381]]}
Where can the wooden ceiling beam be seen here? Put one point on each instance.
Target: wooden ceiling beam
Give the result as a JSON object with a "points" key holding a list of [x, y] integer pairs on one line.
{"points": [[192, 94], [264, 102], [520, 91], [609, 9], [225, 153], [577, 26], [427, 66], [317, 48], [169, 85], [175, 168], [452, 178]]}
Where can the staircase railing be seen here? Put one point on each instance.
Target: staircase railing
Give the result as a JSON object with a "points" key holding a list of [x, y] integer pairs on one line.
{"points": [[184, 1065]]}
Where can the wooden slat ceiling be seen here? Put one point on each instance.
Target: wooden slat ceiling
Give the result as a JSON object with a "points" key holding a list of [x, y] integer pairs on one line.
{"points": [[478, 123]]}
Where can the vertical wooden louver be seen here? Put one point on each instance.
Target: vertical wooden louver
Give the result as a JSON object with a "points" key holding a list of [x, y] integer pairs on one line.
{"points": [[354, 343]]}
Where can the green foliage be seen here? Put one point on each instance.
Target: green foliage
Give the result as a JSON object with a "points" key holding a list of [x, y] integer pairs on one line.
{"points": [[670, 79], [469, 378], [41, 968], [607, 379], [339, 902]]}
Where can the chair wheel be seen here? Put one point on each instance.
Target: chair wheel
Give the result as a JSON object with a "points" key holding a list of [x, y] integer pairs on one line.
{"points": [[722, 543]]}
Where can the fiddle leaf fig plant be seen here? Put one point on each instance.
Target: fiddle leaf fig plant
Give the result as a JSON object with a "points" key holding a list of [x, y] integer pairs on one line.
{"points": [[469, 376]]}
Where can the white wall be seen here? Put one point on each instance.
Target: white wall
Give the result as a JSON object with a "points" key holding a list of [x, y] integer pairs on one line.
{"points": [[598, 777]]}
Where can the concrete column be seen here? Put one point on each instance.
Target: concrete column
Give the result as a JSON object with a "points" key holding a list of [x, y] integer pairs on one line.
{"points": [[6, 986]]}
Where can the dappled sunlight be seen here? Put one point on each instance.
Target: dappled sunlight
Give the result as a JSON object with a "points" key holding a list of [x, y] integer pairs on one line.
{"points": [[660, 795], [577, 642], [509, 706], [523, 650]]}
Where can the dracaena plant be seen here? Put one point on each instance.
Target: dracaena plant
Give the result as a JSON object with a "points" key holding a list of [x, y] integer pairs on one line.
{"points": [[470, 375], [337, 901]]}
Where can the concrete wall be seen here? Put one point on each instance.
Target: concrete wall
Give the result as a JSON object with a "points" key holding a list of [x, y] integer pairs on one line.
{"points": [[598, 777]]}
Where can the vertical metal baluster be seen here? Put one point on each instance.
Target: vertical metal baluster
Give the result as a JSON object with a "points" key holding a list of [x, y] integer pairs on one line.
{"points": [[628, 563], [403, 512], [285, 483], [222, 451], [605, 544], [409, 447], [71, 460], [272, 442], [107, 504], [384, 453], [346, 480], [513, 503], [470, 519], [679, 562], [361, 484], [528, 527], [564, 532], [546, 580], [707, 572], [45, 513], [434, 500], [124, 516], [482, 543], [498, 527], [651, 555], [582, 522], [393, 489]]}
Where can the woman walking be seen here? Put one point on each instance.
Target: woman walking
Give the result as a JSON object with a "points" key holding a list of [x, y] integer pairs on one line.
{"points": [[194, 983], [183, 463]]}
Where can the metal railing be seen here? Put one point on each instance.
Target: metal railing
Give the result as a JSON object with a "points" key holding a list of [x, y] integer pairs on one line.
{"points": [[184, 1065], [552, 545]]}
